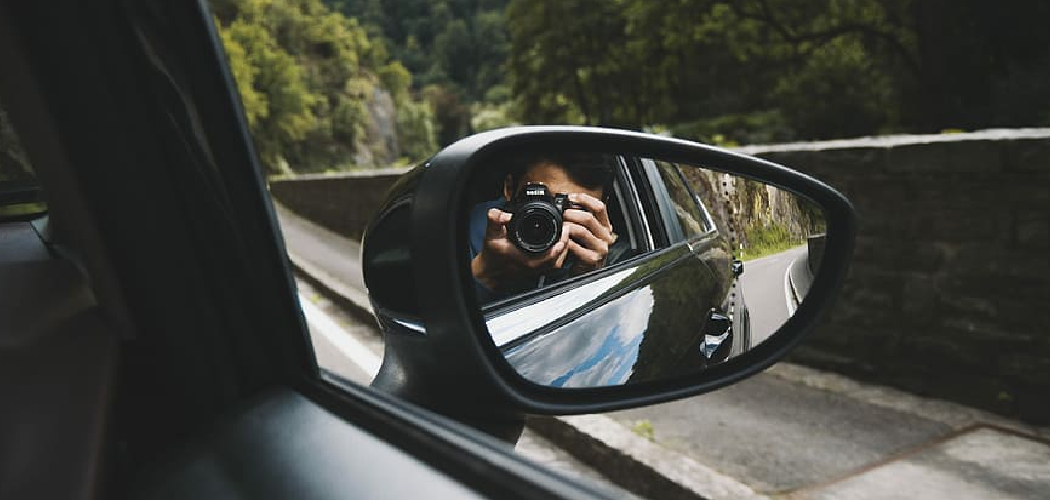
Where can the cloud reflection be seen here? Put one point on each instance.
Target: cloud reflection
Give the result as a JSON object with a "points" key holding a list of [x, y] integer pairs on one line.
{"points": [[598, 349], [515, 323]]}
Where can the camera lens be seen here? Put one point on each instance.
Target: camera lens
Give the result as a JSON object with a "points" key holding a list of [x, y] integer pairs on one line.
{"points": [[536, 228]]}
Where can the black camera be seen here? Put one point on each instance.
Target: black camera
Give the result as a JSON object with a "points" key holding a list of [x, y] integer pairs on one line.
{"points": [[537, 220]]}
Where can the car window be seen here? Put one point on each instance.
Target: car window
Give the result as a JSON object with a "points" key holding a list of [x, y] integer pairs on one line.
{"points": [[19, 193], [628, 223], [689, 216]]}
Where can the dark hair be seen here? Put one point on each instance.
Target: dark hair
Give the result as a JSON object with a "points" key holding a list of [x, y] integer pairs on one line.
{"points": [[589, 170]]}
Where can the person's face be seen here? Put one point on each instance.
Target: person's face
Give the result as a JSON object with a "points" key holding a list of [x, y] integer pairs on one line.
{"points": [[551, 175]]}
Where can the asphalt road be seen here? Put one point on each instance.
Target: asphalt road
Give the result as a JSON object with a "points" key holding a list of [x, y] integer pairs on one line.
{"points": [[777, 435], [353, 350], [765, 291], [337, 256], [791, 431]]}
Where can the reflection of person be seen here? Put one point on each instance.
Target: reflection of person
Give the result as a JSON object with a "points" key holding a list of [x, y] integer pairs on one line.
{"points": [[500, 268]]}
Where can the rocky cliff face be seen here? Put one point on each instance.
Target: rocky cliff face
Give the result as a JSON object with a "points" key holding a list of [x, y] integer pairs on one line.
{"points": [[748, 210], [378, 146]]}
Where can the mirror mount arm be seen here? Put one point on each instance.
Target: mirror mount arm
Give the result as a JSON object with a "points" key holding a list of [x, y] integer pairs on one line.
{"points": [[492, 419], [454, 368], [441, 369]]}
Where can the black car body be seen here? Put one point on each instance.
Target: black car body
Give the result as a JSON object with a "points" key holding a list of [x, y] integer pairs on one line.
{"points": [[676, 290], [675, 284]]}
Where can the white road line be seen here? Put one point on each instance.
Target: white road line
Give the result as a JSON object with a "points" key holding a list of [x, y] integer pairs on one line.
{"points": [[321, 323], [788, 295]]}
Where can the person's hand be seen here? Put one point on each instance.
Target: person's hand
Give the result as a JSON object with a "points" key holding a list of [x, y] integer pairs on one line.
{"points": [[501, 264], [590, 232]]}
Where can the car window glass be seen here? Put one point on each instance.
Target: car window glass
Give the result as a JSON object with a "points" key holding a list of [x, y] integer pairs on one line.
{"points": [[691, 219], [19, 192]]}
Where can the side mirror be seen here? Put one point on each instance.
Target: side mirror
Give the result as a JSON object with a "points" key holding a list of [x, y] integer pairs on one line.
{"points": [[563, 270]]}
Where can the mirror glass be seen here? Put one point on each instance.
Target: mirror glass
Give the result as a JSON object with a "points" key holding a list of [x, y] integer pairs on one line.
{"points": [[602, 269]]}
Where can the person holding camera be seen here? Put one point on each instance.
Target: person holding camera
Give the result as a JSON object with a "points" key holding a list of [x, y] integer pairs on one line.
{"points": [[551, 223]]}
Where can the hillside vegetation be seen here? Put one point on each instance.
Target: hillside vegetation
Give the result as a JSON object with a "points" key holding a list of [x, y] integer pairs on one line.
{"points": [[357, 83], [318, 92]]}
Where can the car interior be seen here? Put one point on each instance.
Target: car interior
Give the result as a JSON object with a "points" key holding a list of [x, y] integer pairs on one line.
{"points": [[58, 348], [151, 339], [627, 222]]}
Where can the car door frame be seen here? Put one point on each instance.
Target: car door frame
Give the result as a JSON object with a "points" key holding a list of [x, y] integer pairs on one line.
{"points": [[89, 104]]}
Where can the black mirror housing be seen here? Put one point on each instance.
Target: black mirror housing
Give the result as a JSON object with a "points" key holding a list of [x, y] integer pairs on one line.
{"points": [[438, 350]]}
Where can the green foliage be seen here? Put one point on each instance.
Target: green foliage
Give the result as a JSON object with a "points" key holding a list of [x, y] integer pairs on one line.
{"points": [[760, 127], [309, 79], [455, 49], [415, 129], [644, 429], [491, 116], [451, 114], [767, 239], [312, 72], [761, 70], [458, 44], [396, 79], [573, 61], [276, 100], [820, 98]]}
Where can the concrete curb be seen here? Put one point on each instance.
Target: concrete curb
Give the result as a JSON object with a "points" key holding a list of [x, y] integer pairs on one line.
{"points": [[650, 470], [635, 463], [347, 298], [632, 462]]}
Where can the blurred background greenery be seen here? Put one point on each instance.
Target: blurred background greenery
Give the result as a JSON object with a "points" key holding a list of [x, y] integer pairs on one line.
{"points": [[333, 85]]}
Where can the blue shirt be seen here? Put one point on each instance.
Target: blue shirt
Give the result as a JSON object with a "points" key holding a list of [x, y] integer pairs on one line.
{"points": [[478, 224], [479, 216]]}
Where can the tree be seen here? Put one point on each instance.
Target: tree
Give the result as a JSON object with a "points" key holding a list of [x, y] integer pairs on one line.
{"points": [[572, 61], [313, 84], [276, 99], [773, 69]]}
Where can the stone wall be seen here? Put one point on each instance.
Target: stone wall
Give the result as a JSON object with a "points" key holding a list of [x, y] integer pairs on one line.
{"points": [[343, 203], [949, 289]]}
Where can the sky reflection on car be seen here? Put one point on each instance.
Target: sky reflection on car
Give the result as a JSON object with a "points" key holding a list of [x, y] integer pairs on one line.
{"points": [[592, 356]]}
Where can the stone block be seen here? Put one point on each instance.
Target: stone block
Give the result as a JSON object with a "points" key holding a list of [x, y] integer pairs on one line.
{"points": [[855, 160], [920, 295], [1032, 229], [1025, 367], [803, 161], [948, 156], [1028, 155], [343, 204], [950, 271], [1024, 186], [887, 249], [942, 353], [959, 224], [1032, 405], [996, 262]]}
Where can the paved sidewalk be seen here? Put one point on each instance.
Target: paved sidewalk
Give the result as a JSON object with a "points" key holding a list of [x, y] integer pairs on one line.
{"points": [[789, 432]]}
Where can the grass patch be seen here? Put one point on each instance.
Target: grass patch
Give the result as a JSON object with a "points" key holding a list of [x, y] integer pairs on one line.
{"points": [[644, 429], [767, 240]]}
